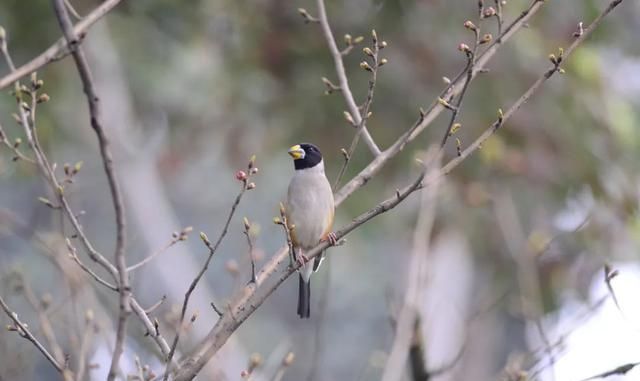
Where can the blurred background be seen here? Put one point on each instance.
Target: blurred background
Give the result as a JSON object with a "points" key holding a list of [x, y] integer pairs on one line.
{"points": [[522, 229]]}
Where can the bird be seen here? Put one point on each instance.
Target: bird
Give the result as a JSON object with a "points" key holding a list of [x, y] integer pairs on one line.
{"points": [[309, 211]]}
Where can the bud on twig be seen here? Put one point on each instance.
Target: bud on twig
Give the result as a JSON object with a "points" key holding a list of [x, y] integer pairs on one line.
{"points": [[464, 48], [469, 25], [486, 38], [43, 98], [205, 239], [488, 12], [364, 65], [348, 117]]}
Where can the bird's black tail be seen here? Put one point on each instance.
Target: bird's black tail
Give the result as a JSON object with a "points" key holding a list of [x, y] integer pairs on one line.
{"points": [[304, 298]]}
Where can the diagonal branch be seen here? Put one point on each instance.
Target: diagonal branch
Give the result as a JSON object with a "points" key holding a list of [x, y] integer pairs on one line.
{"points": [[23, 331], [344, 82], [212, 250], [73, 42], [60, 49]]}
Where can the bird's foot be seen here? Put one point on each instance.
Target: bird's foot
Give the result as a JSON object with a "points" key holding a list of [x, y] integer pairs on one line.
{"points": [[331, 238], [301, 259]]}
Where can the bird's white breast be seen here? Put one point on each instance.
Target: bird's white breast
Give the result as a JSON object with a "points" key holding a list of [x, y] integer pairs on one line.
{"points": [[310, 205]]}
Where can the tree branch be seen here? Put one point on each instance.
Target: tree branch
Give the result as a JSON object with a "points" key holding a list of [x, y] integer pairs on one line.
{"points": [[23, 331], [212, 250], [60, 49], [344, 82], [428, 116], [73, 42]]}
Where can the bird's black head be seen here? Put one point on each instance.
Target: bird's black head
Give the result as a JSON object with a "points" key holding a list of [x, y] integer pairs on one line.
{"points": [[305, 155]]}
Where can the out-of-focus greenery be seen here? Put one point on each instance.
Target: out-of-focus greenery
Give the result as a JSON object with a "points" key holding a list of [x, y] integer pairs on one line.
{"points": [[213, 82]]}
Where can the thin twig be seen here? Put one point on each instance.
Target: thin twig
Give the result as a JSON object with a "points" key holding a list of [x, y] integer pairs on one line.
{"points": [[342, 78], [196, 280], [59, 49], [46, 328], [72, 10], [178, 237], [247, 234], [13, 147], [286, 227], [23, 331], [155, 305], [471, 61], [373, 68], [73, 254]]}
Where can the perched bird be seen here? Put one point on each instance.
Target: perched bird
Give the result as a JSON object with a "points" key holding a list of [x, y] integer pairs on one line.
{"points": [[309, 213]]}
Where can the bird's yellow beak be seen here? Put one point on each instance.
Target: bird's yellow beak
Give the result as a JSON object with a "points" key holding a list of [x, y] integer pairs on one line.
{"points": [[296, 152]]}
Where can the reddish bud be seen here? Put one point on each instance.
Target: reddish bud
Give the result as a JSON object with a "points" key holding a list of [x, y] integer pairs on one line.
{"points": [[464, 48], [241, 176]]}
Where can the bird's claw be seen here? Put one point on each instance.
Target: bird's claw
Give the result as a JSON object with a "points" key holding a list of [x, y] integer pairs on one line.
{"points": [[331, 238], [302, 259]]}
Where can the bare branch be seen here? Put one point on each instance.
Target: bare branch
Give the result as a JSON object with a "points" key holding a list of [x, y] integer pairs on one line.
{"points": [[23, 331], [530, 91], [247, 234], [373, 68], [246, 185], [177, 237], [60, 49], [73, 41], [342, 77], [429, 115]]}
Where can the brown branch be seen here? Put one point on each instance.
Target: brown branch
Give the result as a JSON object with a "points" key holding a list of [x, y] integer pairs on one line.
{"points": [[212, 250], [73, 41], [23, 331], [59, 49], [447, 168], [344, 82], [428, 116], [376, 63]]}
